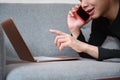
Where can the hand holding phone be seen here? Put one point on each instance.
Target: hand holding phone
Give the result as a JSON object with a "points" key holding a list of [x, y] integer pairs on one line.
{"points": [[82, 15]]}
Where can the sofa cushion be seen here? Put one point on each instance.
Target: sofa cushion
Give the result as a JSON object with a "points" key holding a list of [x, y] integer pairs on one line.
{"points": [[34, 21], [2, 55], [84, 69]]}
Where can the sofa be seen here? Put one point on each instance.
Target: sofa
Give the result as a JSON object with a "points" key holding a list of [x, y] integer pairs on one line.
{"points": [[33, 22]]}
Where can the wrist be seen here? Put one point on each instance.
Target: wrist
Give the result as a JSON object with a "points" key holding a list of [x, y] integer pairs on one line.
{"points": [[75, 33]]}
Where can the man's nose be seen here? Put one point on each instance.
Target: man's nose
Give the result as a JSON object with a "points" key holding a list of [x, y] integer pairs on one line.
{"points": [[84, 4]]}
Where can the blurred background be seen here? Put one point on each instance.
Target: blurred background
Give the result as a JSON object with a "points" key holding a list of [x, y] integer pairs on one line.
{"points": [[39, 1]]}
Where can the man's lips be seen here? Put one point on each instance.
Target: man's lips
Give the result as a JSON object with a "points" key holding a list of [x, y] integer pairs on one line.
{"points": [[90, 11]]}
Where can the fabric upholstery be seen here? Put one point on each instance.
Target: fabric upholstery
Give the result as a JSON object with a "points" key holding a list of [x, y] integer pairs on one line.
{"points": [[2, 55], [64, 70], [34, 21]]}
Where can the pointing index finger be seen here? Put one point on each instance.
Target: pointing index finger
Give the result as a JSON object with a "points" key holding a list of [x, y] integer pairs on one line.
{"points": [[56, 32]]}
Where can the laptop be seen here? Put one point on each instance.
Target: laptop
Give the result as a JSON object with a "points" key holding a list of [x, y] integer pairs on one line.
{"points": [[21, 48]]}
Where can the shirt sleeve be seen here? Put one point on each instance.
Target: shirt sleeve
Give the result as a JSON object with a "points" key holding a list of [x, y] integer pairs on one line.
{"points": [[97, 36], [108, 53], [81, 37]]}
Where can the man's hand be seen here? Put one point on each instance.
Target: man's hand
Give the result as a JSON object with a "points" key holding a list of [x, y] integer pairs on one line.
{"points": [[74, 23], [65, 40]]}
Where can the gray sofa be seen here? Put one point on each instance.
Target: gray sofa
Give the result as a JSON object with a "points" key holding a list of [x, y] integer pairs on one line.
{"points": [[34, 21]]}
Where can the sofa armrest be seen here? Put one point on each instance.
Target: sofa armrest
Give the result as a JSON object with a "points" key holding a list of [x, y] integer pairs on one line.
{"points": [[2, 55]]}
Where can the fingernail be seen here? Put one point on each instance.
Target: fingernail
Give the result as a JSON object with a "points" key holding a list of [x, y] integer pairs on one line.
{"points": [[50, 29]]}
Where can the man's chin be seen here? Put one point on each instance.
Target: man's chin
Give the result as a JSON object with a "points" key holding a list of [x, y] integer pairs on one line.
{"points": [[95, 16]]}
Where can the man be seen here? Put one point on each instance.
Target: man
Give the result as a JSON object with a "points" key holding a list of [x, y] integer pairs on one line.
{"points": [[106, 22]]}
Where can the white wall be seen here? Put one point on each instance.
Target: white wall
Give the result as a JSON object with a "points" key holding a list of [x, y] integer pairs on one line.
{"points": [[39, 1]]}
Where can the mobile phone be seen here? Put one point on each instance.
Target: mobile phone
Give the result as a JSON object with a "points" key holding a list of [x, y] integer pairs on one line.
{"points": [[82, 15]]}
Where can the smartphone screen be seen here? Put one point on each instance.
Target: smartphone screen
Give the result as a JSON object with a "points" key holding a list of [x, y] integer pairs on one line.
{"points": [[82, 15]]}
